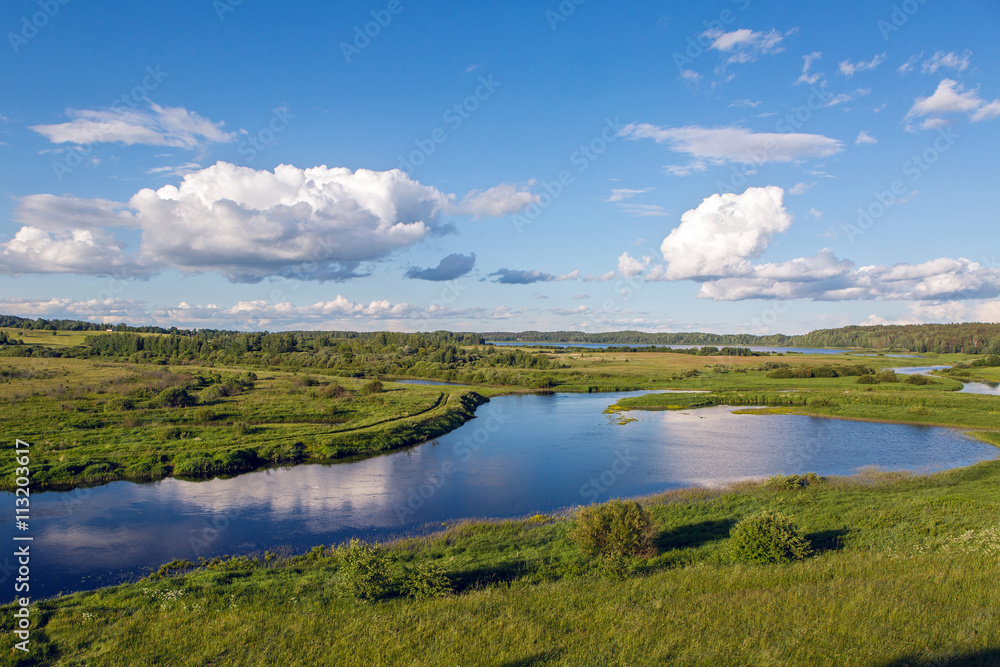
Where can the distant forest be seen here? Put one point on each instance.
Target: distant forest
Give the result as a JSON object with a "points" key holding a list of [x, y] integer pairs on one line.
{"points": [[971, 338]]}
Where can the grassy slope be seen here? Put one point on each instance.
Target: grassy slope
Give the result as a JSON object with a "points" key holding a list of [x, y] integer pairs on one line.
{"points": [[905, 574]]}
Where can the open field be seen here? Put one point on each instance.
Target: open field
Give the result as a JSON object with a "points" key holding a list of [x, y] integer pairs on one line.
{"points": [[47, 338], [903, 572]]}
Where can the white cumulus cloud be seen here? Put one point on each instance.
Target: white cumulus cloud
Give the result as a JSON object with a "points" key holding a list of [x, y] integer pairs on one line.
{"points": [[722, 235], [316, 223]]}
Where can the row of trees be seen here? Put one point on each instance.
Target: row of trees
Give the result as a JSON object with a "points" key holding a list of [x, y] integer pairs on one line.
{"points": [[971, 338]]}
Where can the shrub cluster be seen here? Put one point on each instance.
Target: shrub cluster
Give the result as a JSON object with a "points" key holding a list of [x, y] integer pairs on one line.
{"points": [[366, 573], [768, 537], [616, 530], [372, 387], [785, 372]]}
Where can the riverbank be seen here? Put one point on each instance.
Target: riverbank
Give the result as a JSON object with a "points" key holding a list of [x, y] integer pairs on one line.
{"points": [[904, 572]]}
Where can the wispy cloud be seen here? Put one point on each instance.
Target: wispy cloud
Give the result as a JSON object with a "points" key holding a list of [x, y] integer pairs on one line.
{"points": [[153, 126], [849, 69], [808, 77], [950, 60], [720, 145], [951, 97], [865, 138], [744, 45]]}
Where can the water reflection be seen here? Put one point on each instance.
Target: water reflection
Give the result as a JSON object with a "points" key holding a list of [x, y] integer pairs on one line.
{"points": [[523, 454]]}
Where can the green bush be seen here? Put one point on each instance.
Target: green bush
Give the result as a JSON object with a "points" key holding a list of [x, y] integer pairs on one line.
{"points": [[334, 391], [617, 529], [372, 387], [768, 537], [427, 580], [174, 397], [215, 392], [782, 374], [364, 571], [203, 415], [867, 379], [118, 404], [888, 375], [919, 380], [825, 372], [194, 464]]}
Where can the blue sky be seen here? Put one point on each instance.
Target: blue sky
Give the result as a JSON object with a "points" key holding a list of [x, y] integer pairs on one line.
{"points": [[718, 166]]}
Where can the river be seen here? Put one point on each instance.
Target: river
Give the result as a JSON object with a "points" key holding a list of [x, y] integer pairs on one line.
{"points": [[522, 454]]}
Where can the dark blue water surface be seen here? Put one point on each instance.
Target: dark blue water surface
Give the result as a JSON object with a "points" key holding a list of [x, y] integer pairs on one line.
{"points": [[523, 454]]}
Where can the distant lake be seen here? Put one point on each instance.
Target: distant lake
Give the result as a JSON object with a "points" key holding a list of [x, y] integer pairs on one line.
{"points": [[523, 454]]}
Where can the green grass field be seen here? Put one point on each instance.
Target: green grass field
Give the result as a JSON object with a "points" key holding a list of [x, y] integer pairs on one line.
{"points": [[47, 338], [904, 573]]}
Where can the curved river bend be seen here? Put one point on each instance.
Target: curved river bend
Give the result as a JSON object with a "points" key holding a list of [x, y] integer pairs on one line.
{"points": [[523, 454]]}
